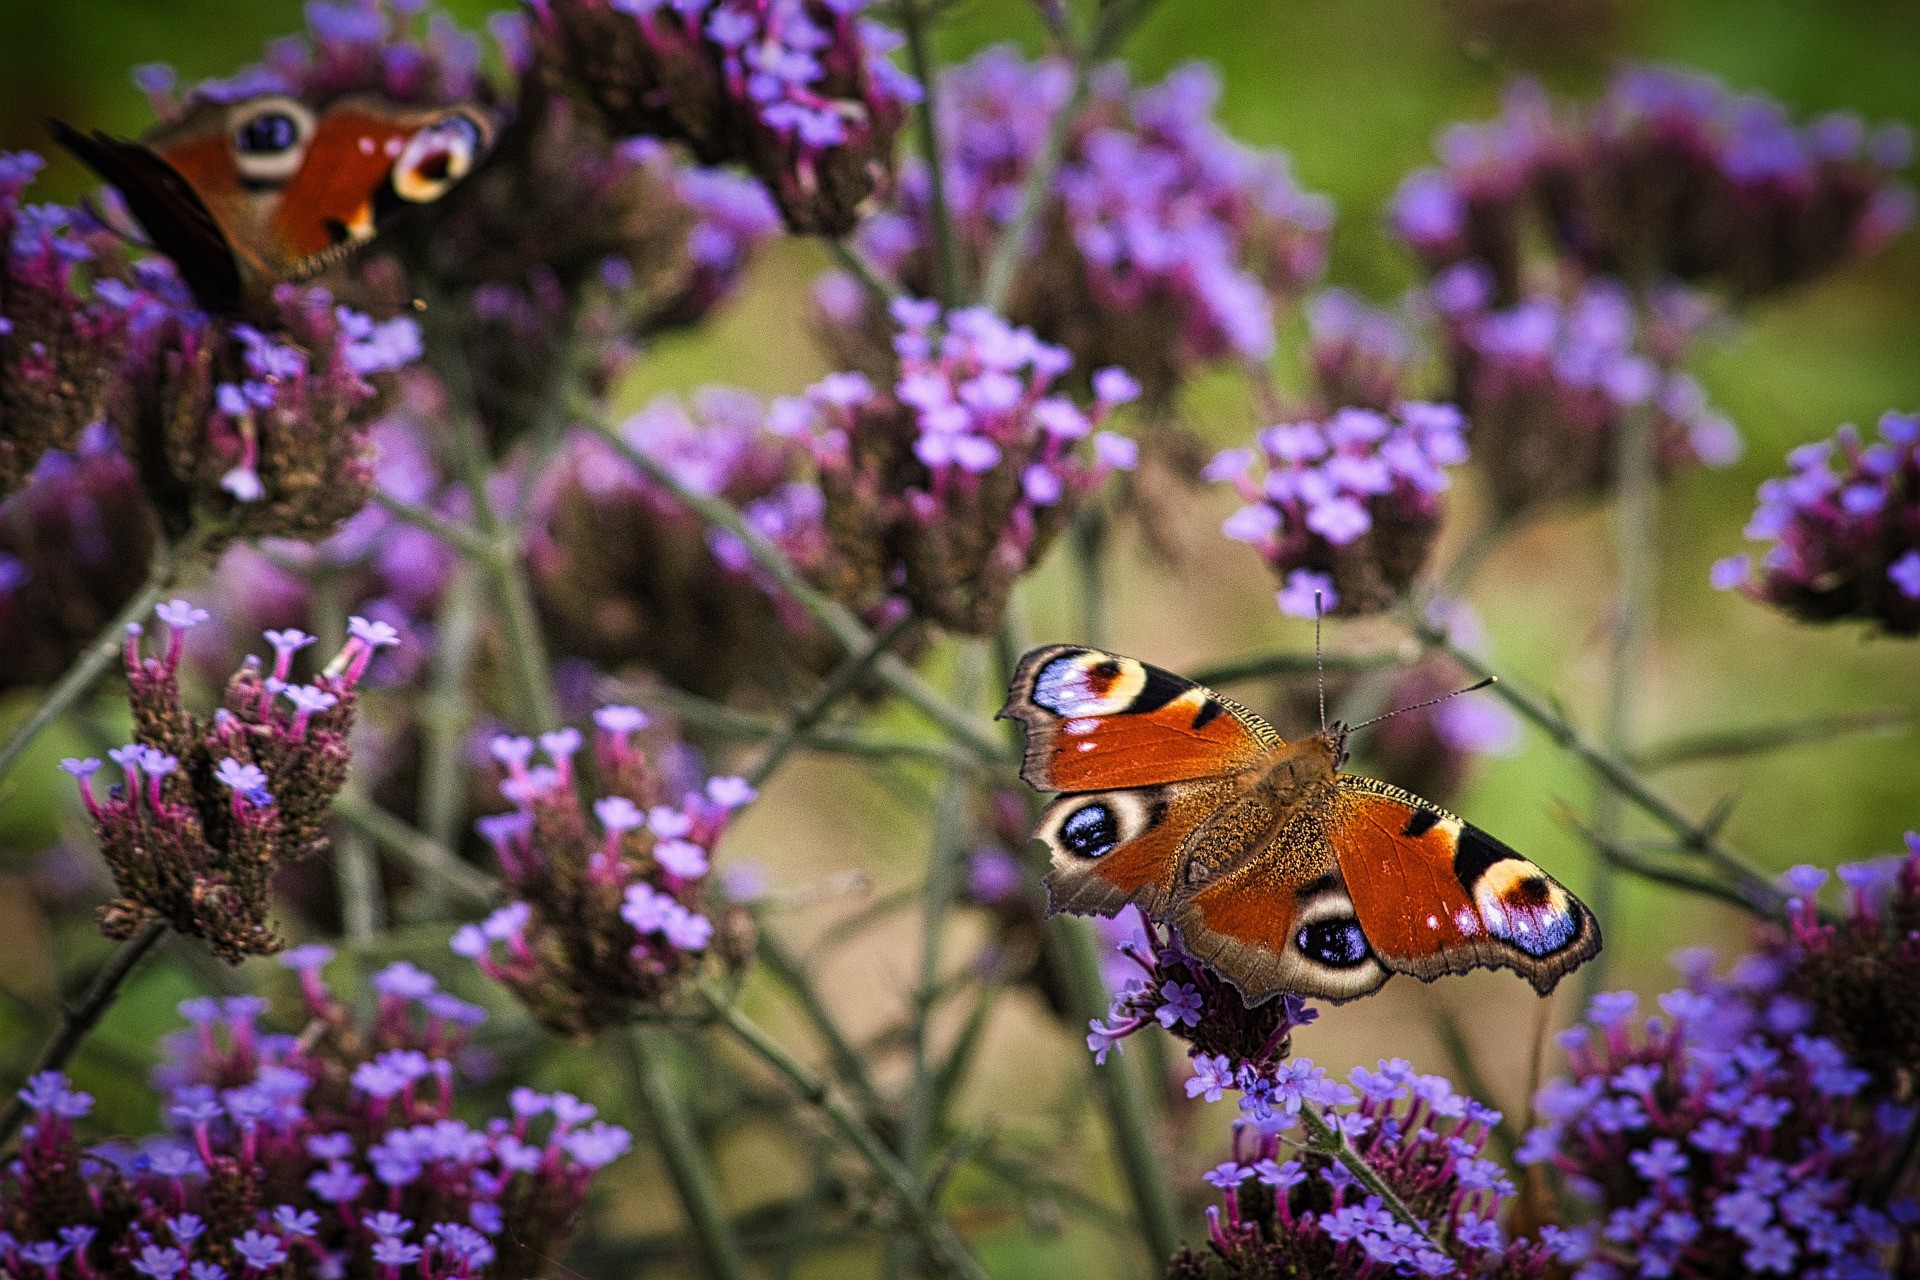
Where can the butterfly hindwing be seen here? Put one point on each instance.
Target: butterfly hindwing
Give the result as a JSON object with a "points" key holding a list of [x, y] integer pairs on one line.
{"points": [[1109, 849], [1435, 895], [1096, 721]]}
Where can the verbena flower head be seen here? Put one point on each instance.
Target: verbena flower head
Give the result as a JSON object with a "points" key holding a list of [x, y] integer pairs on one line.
{"points": [[949, 486], [799, 92], [1845, 529], [1724, 1136], [625, 573], [1288, 1211], [74, 544], [1362, 357], [1234, 1046], [207, 809], [1670, 174], [612, 910], [332, 1153], [59, 338], [1163, 244], [1548, 383], [1345, 508]]}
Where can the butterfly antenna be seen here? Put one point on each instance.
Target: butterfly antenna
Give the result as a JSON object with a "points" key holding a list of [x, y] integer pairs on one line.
{"points": [[1430, 702], [1319, 663]]}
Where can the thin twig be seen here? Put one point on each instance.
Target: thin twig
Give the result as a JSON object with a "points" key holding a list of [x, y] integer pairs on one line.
{"points": [[1259, 666], [1753, 740], [639, 1054], [1329, 1140], [1694, 838], [847, 1063], [467, 542], [835, 618], [845, 679], [939, 1238], [168, 561], [833, 739], [444, 718], [862, 268], [415, 848], [946, 247], [1615, 853], [77, 1021]]}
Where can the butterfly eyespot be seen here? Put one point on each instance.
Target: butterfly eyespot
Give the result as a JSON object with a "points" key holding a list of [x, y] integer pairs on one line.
{"points": [[1524, 909], [1337, 943], [1081, 685], [1090, 832], [436, 157], [270, 139]]}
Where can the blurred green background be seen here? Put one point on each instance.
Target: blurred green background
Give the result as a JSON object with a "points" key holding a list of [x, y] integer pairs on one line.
{"points": [[1355, 90]]}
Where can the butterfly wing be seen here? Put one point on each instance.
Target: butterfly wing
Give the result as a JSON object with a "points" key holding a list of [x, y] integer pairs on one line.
{"points": [[1146, 759], [1434, 895], [175, 218], [1096, 721]]}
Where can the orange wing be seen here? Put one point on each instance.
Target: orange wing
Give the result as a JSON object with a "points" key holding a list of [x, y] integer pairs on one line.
{"points": [[1435, 895], [1096, 722]]}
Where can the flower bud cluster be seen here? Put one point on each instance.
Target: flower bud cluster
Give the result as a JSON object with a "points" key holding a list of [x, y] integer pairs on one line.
{"points": [[60, 341], [1162, 245], [1345, 510], [1726, 1128], [1305, 1214], [610, 916], [1233, 1045], [206, 810], [74, 545], [1669, 175], [1360, 356], [951, 485], [327, 1154], [625, 573], [799, 92], [1845, 529], [1549, 382], [263, 432]]}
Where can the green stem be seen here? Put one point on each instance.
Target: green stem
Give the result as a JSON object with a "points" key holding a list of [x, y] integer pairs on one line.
{"points": [[1329, 1141], [77, 1021], [418, 850], [837, 739], [861, 268], [1124, 1095], [356, 877], [939, 1238], [168, 561], [458, 536], [639, 1052], [1694, 838], [847, 1063], [846, 678], [1616, 854], [1634, 516], [444, 722], [1753, 740], [1260, 666], [946, 247], [834, 618]]}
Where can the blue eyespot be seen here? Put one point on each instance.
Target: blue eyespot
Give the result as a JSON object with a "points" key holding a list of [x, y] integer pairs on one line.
{"points": [[1090, 831], [1336, 943], [268, 133]]}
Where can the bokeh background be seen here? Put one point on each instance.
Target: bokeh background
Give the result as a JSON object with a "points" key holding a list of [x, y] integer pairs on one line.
{"points": [[1355, 90]]}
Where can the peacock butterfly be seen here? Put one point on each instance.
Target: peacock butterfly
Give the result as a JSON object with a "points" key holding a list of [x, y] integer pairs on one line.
{"points": [[1277, 869], [246, 194]]}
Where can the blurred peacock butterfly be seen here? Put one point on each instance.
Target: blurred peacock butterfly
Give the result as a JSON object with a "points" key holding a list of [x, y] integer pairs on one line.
{"points": [[1277, 869], [246, 194]]}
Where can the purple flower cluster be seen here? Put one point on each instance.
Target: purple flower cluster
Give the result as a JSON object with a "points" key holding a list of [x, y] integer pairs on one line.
{"points": [[73, 548], [1344, 510], [59, 339], [1361, 357], [608, 917], [206, 810], [1163, 245], [625, 573], [1669, 175], [1306, 1215], [1845, 529], [800, 92], [331, 1153], [1548, 384], [950, 486], [1233, 1045]]}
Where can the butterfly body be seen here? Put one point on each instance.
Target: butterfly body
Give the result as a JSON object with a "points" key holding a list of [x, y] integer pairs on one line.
{"points": [[244, 195], [1275, 867]]}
